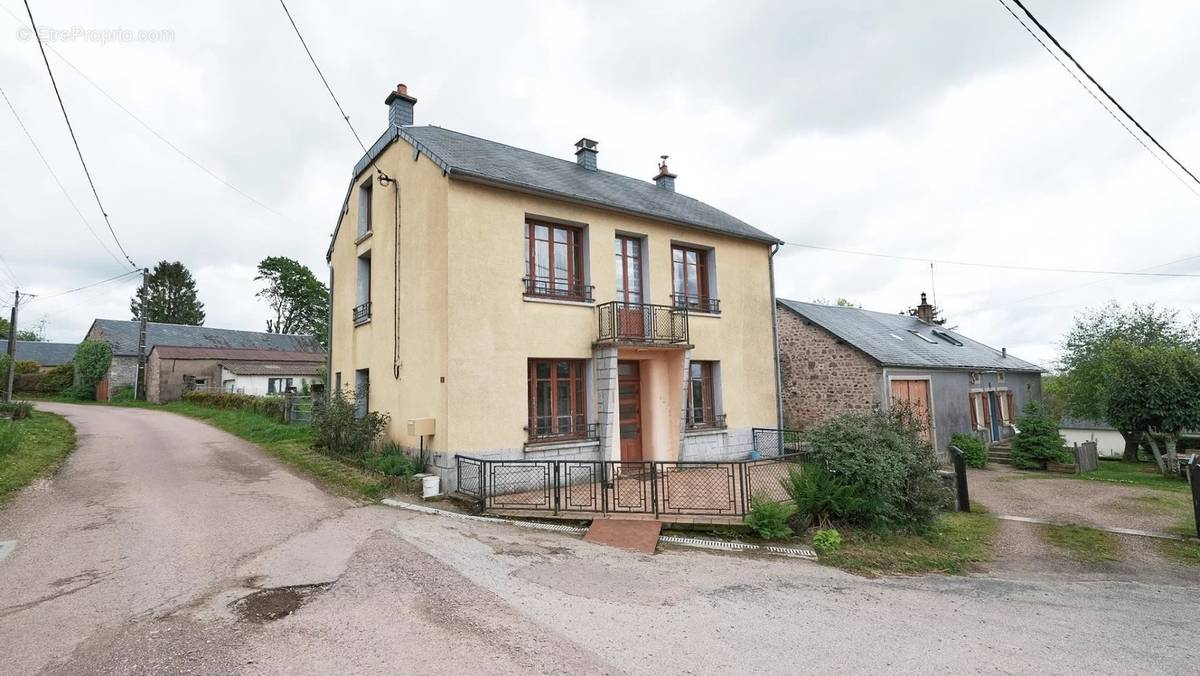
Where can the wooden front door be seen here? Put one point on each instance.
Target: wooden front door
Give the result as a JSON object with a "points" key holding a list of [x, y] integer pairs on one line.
{"points": [[629, 396], [915, 393], [630, 315]]}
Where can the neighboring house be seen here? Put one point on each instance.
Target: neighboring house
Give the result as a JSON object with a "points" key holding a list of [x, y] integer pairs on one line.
{"points": [[47, 355], [838, 359], [1109, 442], [541, 308], [174, 370], [164, 383]]}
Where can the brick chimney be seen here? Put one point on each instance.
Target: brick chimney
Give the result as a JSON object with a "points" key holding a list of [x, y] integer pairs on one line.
{"points": [[925, 310], [585, 153], [400, 107], [665, 179]]}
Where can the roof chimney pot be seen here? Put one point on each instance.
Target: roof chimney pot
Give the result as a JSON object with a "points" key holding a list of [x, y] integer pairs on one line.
{"points": [[925, 310], [665, 179], [585, 153], [400, 107]]}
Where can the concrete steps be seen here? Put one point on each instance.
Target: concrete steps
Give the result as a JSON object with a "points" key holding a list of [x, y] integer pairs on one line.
{"points": [[1000, 453]]}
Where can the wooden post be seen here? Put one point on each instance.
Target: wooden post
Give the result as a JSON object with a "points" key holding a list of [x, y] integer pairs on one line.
{"points": [[1194, 480], [960, 479]]}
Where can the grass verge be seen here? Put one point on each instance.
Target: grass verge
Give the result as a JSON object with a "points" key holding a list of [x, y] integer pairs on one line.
{"points": [[1082, 543], [44, 440], [292, 444], [1137, 474], [956, 544], [1181, 552]]}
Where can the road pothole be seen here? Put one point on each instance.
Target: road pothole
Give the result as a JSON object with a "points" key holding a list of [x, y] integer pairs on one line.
{"points": [[267, 605]]}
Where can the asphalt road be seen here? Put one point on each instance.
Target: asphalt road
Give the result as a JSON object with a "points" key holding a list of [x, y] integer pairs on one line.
{"points": [[164, 546]]}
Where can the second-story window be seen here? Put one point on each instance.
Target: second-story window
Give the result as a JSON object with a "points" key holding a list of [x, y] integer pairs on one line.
{"points": [[364, 209], [692, 279], [554, 261]]}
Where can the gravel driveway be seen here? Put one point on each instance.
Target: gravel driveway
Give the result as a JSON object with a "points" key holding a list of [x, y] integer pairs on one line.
{"points": [[164, 546]]}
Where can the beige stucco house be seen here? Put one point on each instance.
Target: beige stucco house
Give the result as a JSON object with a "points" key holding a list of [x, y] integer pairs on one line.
{"points": [[538, 308]]}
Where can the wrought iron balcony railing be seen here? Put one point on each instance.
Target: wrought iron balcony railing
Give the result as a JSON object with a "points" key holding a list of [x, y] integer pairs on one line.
{"points": [[640, 323], [559, 289], [704, 419], [695, 303], [571, 427], [362, 313]]}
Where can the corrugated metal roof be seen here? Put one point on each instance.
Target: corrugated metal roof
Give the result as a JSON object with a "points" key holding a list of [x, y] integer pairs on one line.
{"points": [[123, 336], [272, 368], [890, 339], [46, 354], [470, 157]]}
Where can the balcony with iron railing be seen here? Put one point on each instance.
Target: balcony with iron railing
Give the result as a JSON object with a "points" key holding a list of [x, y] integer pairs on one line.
{"points": [[557, 289], [641, 324], [699, 419], [362, 313], [696, 303], [561, 428]]}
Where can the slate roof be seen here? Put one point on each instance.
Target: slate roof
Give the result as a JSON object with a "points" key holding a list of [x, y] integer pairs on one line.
{"points": [[887, 339], [123, 336], [1069, 423], [469, 157], [270, 368], [235, 354], [45, 354]]}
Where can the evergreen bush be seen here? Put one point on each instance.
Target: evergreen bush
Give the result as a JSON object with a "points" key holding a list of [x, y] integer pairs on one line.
{"points": [[973, 448], [1038, 441]]}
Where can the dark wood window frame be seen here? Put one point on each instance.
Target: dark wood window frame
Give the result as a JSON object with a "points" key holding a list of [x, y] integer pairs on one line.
{"points": [[706, 416], [552, 426], [551, 285], [631, 252], [703, 300]]}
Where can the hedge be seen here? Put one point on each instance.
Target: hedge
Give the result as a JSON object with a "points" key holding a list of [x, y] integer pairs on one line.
{"points": [[268, 406], [55, 381]]}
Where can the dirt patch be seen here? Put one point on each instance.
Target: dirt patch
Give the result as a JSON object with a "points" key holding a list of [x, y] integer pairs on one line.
{"points": [[272, 604]]}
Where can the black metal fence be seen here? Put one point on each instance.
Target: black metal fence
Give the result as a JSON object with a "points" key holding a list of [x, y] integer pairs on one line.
{"points": [[770, 442], [672, 488], [620, 322]]}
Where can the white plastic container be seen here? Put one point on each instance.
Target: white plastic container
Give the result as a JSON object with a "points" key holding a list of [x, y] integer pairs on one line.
{"points": [[431, 485]]}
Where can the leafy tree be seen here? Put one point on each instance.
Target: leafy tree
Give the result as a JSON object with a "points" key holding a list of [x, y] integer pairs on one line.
{"points": [[22, 334], [92, 359], [170, 296], [1154, 388], [1086, 357], [1038, 441], [299, 299]]}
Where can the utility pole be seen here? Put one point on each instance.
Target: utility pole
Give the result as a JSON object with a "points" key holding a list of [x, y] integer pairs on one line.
{"points": [[139, 388], [12, 346]]}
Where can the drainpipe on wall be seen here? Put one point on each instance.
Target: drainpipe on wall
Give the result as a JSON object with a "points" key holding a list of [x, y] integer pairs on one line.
{"points": [[329, 339], [775, 335]]}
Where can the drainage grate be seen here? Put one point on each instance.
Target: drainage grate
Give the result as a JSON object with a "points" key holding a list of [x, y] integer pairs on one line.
{"points": [[707, 544]]}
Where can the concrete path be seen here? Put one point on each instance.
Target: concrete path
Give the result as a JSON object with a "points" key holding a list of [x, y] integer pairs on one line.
{"points": [[164, 546]]}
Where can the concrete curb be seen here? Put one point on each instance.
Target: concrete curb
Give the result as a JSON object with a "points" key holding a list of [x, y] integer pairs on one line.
{"points": [[1118, 531], [699, 543]]}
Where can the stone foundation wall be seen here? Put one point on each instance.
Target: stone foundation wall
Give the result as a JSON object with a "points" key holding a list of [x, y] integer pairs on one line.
{"points": [[821, 376], [730, 444]]}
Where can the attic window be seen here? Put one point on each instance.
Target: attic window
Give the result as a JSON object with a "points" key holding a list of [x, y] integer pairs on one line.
{"points": [[948, 338], [927, 339]]}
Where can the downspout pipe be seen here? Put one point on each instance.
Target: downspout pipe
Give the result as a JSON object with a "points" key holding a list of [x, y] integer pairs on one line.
{"points": [[775, 335], [329, 338]]}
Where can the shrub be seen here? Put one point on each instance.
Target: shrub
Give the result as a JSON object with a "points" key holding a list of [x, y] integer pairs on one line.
{"points": [[10, 436], [16, 409], [92, 359], [821, 499], [55, 381], [886, 457], [272, 407], [339, 429], [123, 394], [828, 540], [395, 462], [1038, 442], [769, 518], [973, 448]]}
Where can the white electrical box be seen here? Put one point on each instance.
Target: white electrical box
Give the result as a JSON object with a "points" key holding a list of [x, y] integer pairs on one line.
{"points": [[421, 427]]}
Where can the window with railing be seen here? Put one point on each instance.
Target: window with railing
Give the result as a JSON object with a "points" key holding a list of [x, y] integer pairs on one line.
{"points": [[554, 265], [692, 277], [362, 308], [701, 412], [558, 400]]}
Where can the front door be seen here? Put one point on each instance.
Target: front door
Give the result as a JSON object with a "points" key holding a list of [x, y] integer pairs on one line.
{"points": [[994, 415], [630, 319], [915, 394], [629, 395]]}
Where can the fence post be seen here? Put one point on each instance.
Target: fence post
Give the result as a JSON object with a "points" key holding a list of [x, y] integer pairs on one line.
{"points": [[960, 479], [1194, 480]]}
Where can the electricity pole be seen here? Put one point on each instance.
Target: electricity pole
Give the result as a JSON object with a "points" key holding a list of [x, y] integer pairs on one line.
{"points": [[139, 389], [12, 346]]}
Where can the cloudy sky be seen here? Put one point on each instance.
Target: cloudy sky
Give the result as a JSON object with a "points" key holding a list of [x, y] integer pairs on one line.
{"points": [[928, 129]]}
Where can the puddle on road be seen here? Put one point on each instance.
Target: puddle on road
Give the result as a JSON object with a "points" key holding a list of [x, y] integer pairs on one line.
{"points": [[277, 602]]}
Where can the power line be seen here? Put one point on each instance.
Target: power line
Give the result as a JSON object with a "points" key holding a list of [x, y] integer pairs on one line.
{"points": [[1102, 90], [74, 140], [88, 286], [53, 175], [998, 266], [8, 271]]}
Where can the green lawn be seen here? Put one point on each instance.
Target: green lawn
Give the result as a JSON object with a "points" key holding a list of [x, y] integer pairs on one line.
{"points": [[1183, 552], [1138, 474], [956, 544], [1082, 543], [43, 440], [290, 443]]}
